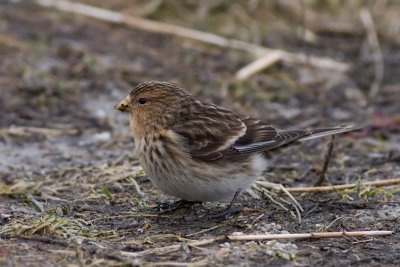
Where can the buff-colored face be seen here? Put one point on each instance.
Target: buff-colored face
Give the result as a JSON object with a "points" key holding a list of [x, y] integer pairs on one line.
{"points": [[153, 105]]}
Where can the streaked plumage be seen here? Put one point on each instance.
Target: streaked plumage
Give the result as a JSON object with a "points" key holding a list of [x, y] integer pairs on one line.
{"points": [[198, 151]]}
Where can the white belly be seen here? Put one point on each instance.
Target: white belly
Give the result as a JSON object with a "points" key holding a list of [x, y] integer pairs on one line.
{"points": [[202, 181]]}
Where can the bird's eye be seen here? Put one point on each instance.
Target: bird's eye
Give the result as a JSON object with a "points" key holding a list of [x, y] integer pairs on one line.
{"points": [[142, 101]]}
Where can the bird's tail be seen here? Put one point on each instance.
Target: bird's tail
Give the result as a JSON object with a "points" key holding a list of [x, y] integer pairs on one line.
{"points": [[317, 133]]}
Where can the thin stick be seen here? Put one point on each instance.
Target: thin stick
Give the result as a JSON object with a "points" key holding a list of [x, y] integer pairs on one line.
{"points": [[195, 35], [308, 235], [373, 42], [379, 183], [323, 177], [258, 65]]}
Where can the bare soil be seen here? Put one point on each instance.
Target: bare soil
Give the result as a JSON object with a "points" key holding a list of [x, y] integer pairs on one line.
{"points": [[72, 192]]}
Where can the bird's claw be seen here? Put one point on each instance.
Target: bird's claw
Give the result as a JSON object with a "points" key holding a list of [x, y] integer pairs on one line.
{"points": [[163, 207], [223, 214]]}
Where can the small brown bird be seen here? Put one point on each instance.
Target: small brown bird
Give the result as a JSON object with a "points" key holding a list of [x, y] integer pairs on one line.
{"points": [[198, 151]]}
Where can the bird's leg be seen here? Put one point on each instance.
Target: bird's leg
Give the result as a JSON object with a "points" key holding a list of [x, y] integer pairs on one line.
{"points": [[179, 204], [229, 211]]}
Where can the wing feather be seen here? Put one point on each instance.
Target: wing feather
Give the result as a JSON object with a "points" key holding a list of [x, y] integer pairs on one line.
{"points": [[209, 130], [212, 132]]}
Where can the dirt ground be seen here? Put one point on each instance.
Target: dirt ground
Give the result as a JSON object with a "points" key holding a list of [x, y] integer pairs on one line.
{"points": [[73, 194]]}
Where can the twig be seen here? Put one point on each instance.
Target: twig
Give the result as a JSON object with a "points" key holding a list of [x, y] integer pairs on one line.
{"points": [[374, 45], [200, 36], [258, 65], [308, 235], [323, 177], [379, 183]]}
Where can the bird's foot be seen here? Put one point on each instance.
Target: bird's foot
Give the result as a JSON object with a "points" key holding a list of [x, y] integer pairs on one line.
{"points": [[223, 214], [163, 207]]}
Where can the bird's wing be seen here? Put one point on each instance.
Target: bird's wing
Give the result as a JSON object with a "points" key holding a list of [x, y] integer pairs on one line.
{"points": [[209, 130], [213, 132], [260, 137]]}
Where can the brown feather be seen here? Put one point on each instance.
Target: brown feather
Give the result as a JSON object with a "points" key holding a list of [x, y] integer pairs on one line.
{"points": [[209, 132]]}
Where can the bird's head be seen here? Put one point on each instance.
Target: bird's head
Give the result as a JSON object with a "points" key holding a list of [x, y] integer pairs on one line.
{"points": [[155, 106]]}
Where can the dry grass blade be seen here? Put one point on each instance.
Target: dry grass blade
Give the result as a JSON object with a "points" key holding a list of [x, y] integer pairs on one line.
{"points": [[308, 235], [279, 187], [380, 183], [195, 35], [265, 187]]}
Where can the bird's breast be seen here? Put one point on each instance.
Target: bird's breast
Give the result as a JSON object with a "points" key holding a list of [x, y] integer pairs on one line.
{"points": [[159, 156]]}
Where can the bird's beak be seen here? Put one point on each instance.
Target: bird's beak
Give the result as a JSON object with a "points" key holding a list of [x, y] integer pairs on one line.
{"points": [[124, 105]]}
